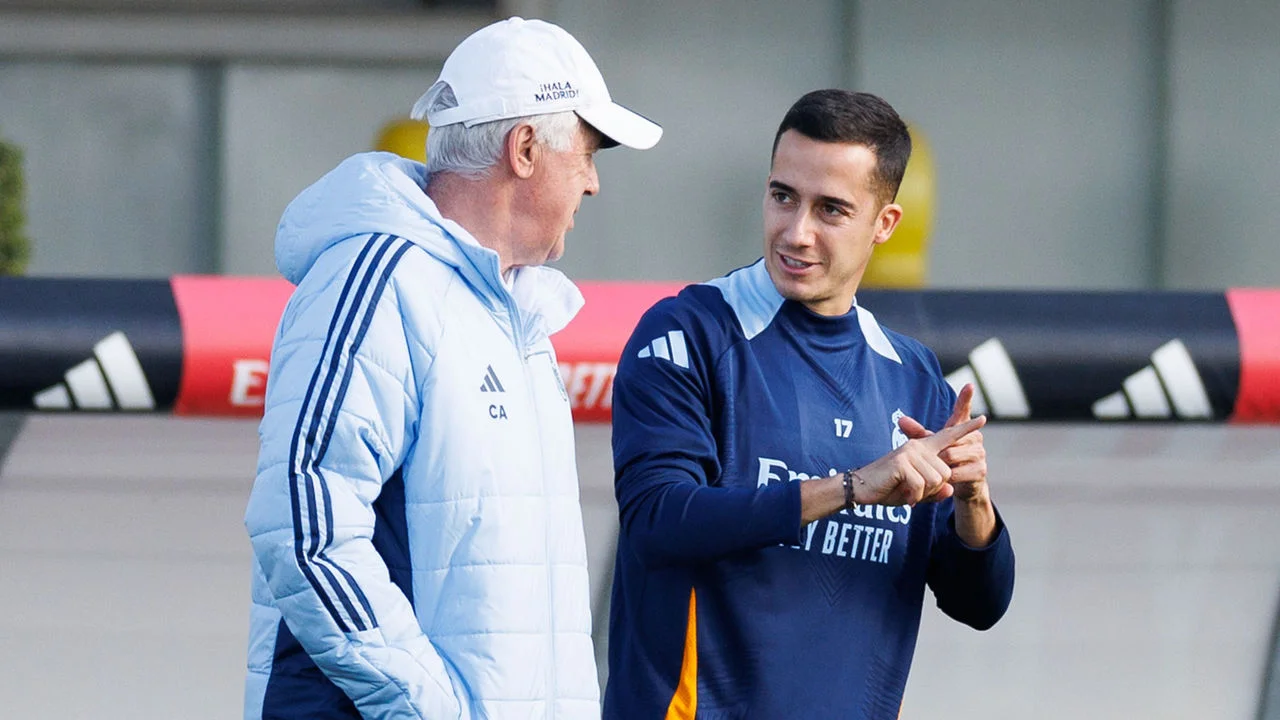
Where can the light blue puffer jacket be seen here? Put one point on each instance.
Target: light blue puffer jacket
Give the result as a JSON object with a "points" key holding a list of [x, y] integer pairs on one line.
{"points": [[415, 517]]}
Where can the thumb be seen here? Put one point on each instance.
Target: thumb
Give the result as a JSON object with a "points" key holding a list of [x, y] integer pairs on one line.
{"points": [[913, 429], [964, 405]]}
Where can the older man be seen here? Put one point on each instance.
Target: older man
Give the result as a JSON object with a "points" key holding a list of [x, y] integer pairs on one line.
{"points": [[415, 517]]}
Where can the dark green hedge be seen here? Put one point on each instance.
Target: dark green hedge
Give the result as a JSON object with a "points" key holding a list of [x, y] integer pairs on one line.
{"points": [[15, 248]]}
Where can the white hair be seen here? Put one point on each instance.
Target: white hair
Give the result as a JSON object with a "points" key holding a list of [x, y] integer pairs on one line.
{"points": [[471, 151]]}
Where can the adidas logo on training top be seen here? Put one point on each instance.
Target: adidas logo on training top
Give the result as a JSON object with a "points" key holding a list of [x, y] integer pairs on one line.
{"points": [[111, 379], [668, 347], [491, 382], [1171, 378], [996, 388]]}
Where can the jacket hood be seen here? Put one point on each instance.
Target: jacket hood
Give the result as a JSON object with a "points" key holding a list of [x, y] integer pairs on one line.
{"points": [[383, 193]]}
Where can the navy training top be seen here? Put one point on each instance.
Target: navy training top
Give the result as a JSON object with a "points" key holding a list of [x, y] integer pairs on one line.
{"points": [[723, 606]]}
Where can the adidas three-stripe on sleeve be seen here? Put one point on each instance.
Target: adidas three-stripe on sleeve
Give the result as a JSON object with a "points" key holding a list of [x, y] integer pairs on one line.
{"points": [[340, 412]]}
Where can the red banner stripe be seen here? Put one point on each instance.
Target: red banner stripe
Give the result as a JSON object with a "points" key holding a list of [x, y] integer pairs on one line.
{"points": [[589, 347], [228, 324], [603, 326], [1257, 317]]}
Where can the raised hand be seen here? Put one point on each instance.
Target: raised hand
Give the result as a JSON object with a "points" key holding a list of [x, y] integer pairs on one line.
{"points": [[917, 470], [967, 457]]}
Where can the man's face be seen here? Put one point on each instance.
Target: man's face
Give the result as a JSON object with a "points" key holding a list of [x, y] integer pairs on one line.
{"points": [[821, 220], [560, 181]]}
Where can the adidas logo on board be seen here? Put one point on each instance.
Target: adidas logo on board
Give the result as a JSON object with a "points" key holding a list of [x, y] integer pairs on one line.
{"points": [[1169, 386], [110, 380], [997, 391]]}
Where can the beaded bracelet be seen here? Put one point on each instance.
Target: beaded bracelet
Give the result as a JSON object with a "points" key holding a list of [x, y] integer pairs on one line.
{"points": [[849, 476]]}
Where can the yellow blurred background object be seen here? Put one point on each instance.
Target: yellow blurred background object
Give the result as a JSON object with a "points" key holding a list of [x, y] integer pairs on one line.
{"points": [[405, 137], [902, 262]]}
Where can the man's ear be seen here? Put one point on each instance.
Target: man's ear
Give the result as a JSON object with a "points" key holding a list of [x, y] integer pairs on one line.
{"points": [[523, 151], [886, 221]]}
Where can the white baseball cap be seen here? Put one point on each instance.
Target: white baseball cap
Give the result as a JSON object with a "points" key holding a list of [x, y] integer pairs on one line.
{"points": [[517, 68]]}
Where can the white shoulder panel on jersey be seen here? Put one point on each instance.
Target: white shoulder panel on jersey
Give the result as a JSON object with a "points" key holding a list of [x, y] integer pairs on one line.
{"points": [[751, 294], [874, 334]]}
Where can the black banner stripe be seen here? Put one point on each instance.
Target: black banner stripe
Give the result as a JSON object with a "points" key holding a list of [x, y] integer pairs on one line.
{"points": [[49, 326], [1072, 349]]}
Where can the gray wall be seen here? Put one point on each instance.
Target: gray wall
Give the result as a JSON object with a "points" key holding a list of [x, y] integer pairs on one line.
{"points": [[115, 159], [1090, 144], [284, 127], [1041, 116], [1223, 211]]}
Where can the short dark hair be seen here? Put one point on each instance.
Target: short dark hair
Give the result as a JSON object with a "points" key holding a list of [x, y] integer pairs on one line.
{"points": [[858, 118]]}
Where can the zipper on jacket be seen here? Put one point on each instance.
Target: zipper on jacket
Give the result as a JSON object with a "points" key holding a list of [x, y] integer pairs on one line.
{"points": [[529, 382], [518, 332], [516, 321]]}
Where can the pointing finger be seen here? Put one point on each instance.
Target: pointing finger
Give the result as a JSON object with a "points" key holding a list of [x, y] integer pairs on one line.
{"points": [[950, 435]]}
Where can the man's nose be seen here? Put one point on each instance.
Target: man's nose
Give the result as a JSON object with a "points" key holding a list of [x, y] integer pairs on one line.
{"points": [[799, 230]]}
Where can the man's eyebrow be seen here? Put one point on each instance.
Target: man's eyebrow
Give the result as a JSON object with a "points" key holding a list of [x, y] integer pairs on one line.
{"points": [[840, 202]]}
